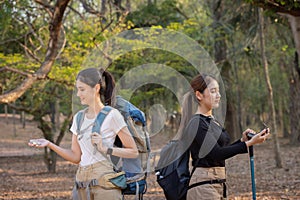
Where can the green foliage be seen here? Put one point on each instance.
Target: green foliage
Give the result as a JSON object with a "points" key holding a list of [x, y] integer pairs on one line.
{"points": [[152, 14], [237, 26]]}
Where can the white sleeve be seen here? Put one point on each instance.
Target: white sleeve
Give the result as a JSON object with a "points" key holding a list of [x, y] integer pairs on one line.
{"points": [[117, 121]]}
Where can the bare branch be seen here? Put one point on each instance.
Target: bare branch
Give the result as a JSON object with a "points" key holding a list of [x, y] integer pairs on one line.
{"points": [[272, 5], [46, 6], [30, 53], [15, 71], [14, 39], [88, 8], [19, 108], [75, 11]]}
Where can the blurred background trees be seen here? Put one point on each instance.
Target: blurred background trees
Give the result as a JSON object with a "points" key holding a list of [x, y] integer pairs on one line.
{"points": [[44, 43]]}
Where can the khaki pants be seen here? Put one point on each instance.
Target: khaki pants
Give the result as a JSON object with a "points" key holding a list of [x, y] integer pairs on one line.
{"points": [[95, 171], [207, 191]]}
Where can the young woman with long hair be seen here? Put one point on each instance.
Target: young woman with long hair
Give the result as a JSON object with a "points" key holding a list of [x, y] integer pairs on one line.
{"points": [[211, 145], [92, 86]]}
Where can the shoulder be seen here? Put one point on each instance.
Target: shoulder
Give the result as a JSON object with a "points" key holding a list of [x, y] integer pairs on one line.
{"points": [[198, 122], [114, 113], [78, 115], [199, 119]]}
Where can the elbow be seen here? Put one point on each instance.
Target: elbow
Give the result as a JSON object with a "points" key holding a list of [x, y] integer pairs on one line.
{"points": [[76, 162], [134, 153]]}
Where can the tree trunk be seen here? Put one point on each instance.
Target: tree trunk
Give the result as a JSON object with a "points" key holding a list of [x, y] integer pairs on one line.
{"points": [[295, 103], [295, 84], [220, 48], [23, 119], [49, 157], [270, 89], [6, 113], [14, 123]]}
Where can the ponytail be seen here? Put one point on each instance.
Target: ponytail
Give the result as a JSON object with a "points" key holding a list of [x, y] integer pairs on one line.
{"points": [[108, 91], [189, 107]]}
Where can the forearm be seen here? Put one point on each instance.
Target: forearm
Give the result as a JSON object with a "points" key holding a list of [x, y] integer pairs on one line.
{"points": [[67, 154], [125, 152], [223, 153]]}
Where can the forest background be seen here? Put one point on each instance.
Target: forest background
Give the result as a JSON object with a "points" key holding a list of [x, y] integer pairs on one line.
{"points": [[255, 45]]}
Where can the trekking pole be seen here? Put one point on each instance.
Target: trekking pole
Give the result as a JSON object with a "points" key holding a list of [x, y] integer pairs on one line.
{"points": [[251, 156]]}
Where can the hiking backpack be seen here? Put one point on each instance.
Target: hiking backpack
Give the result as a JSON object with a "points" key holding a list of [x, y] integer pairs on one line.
{"points": [[135, 168], [172, 170]]}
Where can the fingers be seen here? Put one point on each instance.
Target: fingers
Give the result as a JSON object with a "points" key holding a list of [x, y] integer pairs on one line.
{"points": [[96, 138], [35, 143], [248, 130], [265, 133], [95, 134]]}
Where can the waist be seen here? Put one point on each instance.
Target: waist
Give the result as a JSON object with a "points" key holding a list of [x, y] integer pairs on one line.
{"points": [[97, 165], [93, 171], [211, 172]]}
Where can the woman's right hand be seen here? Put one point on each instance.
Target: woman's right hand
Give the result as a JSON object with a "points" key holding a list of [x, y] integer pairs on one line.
{"points": [[245, 137], [38, 143], [259, 137]]}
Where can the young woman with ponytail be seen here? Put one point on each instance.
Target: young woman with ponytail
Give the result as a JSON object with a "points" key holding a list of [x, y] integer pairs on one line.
{"points": [[95, 90], [211, 145]]}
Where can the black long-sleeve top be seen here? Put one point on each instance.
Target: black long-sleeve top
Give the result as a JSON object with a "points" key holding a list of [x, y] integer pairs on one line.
{"points": [[212, 143]]}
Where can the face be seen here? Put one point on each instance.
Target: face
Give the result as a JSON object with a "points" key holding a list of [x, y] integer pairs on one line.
{"points": [[86, 93], [211, 96]]}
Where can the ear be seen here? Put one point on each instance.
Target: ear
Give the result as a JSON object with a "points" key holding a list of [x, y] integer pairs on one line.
{"points": [[97, 88], [199, 95]]}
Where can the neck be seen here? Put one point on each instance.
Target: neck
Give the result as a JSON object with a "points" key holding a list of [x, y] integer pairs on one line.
{"points": [[95, 108], [204, 111]]}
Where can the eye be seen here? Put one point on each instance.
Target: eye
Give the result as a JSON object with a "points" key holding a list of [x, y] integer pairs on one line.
{"points": [[80, 89], [214, 90]]}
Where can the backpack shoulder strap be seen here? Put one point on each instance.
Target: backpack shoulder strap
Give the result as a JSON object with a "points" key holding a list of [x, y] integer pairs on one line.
{"points": [[100, 118], [79, 119]]}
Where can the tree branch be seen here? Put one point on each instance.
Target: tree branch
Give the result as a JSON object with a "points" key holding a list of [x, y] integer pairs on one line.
{"points": [[15, 71], [75, 11], [88, 8], [46, 6], [51, 54], [275, 7], [30, 53]]}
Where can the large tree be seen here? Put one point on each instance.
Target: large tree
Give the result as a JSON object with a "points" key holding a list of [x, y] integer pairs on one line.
{"points": [[55, 44], [290, 9]]}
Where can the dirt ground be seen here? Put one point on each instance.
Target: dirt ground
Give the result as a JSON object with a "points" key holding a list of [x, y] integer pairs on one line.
{"points": [[24, 175]]}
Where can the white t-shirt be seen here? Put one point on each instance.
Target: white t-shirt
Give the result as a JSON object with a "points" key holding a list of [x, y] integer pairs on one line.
{"points": [[111, 125]]}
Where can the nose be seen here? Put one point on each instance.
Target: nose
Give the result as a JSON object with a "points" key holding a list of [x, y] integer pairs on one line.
{"points": [[78, 93]]}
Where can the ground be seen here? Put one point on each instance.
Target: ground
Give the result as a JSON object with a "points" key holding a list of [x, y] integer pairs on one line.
{"points": [[24, 175]]}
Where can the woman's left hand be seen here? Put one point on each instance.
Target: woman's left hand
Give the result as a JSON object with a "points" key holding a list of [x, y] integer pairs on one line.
{"points": [[96, 139]]}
